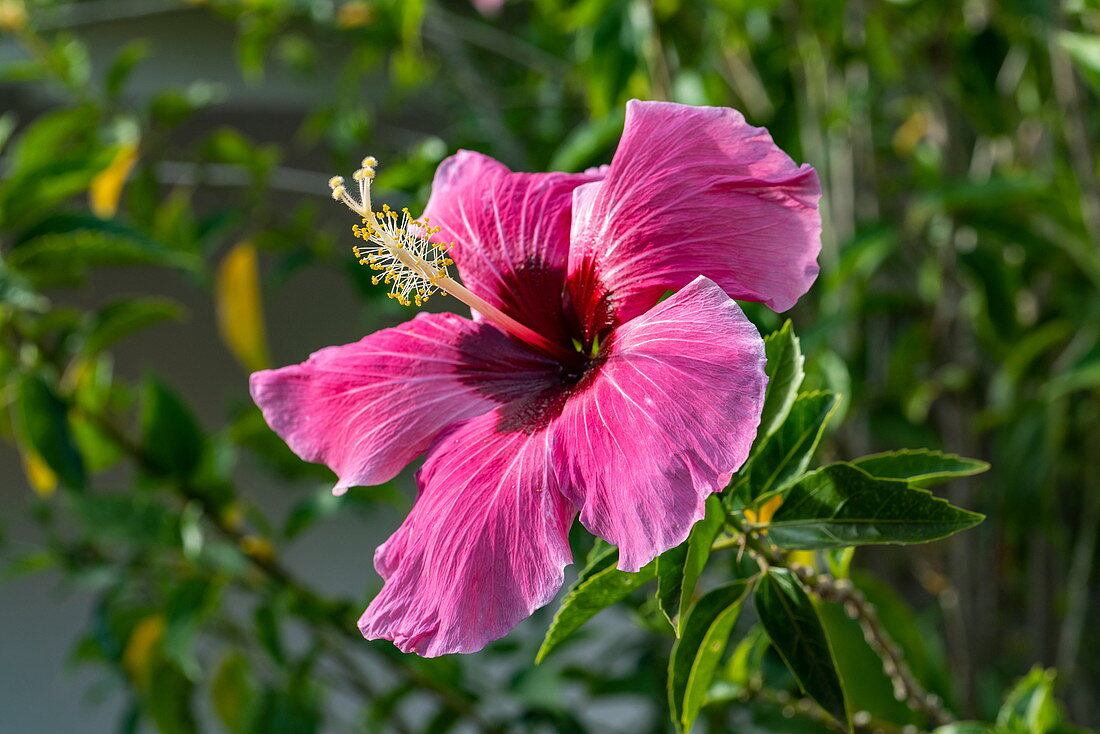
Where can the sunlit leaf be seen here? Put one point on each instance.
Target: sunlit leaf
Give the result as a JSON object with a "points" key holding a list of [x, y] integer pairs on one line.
{"points": [[840, 505], [920, 466], [599, 585], [786, 453], [1029, 707], [785, 373], [679, 568], [695, 656]]}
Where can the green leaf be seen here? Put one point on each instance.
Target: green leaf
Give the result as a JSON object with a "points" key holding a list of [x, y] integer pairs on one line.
{"points": [[1084, 49], [585, 144], [840, 505], [748, 657], [127, 58], [169, 700], [16, 292], [171, 437], [679, 568], [792, 624], [1030, 707], [232, 691], [964, 727], [43, 421], [785, 454], [785, 374], [865, 684], [695, 655], [319, 505], [121, 318], [919, 466], [67, 244], [599, 586]]}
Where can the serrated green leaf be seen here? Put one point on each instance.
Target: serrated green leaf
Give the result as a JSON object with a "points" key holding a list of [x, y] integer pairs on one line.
{"points": [[785, 454], [695, 655], [920, 466], [121, 318], [599, 586], [171, 437], [840, 505], [43, 422], [785, 374], [792, 624], [679, 568]]}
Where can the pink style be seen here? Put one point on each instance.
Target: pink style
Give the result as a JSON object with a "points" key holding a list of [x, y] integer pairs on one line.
{"points": [[574, 388]]}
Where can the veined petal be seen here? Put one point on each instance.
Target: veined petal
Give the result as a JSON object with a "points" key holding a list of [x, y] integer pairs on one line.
{"points": [[484, 546], [511, 234], [663, 422], [692, 191], [369, 408]]}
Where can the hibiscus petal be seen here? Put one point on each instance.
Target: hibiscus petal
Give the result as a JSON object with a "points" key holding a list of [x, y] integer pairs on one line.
{"points": [[484, 546], [512, 235], [369, 408], [692, 191], [663, 422]]}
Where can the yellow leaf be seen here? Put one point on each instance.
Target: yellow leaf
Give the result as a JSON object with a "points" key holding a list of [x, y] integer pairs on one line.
{"points": [[240, 312], [354, 14], [137, 658], [805, 557], [39, 475], [106, 188], [13, 15], [762, 516], [258, 548], [911, 132]]}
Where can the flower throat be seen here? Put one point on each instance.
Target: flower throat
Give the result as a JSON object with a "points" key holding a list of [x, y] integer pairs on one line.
{"points": [[401, 249]]}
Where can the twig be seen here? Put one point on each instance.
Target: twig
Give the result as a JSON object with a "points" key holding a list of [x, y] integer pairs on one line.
{"points": [[856, 606]]}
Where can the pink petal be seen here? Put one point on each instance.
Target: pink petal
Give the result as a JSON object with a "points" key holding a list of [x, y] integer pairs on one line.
{"points": [[483, 547], [512, 235], [488, 8], [663, 422], [692, 191], [369, 408]]}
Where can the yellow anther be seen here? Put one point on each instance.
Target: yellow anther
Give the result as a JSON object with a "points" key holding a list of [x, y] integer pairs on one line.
{"points": [[394, 244]]}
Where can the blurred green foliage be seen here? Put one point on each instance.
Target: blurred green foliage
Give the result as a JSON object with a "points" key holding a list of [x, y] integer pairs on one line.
{"points": [[958, 307]]}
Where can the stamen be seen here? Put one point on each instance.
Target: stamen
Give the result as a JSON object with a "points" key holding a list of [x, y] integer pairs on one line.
{"points": [[400, 248]]}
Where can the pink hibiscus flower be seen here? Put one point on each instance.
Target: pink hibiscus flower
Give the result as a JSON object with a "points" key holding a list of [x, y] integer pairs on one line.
{"points": [[574, 388]]}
